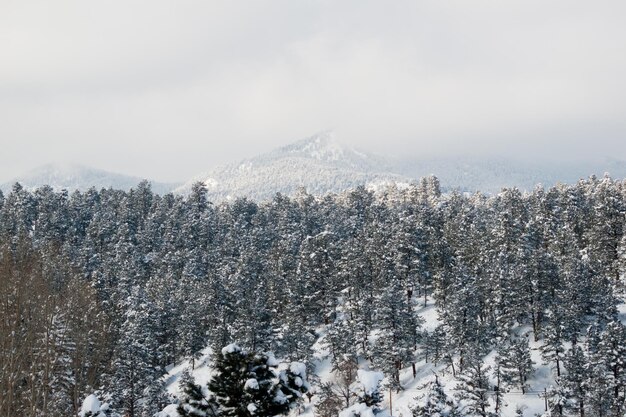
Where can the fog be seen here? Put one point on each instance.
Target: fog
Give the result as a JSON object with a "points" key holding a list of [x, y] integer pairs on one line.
{"points": [[165, 90]]}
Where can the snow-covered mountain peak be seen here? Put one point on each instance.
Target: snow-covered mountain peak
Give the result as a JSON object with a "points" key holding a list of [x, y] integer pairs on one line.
{"points": [[319, 163], [326, 149], [323, 146]]}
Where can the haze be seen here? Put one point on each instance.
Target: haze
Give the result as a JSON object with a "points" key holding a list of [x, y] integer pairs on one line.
{"points": [[166, 90]]}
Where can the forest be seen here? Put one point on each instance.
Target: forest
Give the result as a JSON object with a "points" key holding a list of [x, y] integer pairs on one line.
{"points": [[101, 291]]}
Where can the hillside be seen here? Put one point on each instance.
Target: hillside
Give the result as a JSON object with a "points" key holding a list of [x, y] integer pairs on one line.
{"points": [[402, 401], [78, 177], [358, 287], [320, 164], [491, 174]]}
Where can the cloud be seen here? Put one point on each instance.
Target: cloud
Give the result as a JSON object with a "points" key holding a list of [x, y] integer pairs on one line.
{"points": [[168, 89]]}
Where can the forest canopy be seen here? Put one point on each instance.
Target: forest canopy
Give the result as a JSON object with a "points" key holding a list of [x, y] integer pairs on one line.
{"points": [[101, 290]]}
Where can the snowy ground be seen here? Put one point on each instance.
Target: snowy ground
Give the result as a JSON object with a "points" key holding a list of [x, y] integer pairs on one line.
{"points": [[532, 403]]}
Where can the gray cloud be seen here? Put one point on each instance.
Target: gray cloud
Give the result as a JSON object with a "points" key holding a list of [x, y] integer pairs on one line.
{"points": [[168, 89]]}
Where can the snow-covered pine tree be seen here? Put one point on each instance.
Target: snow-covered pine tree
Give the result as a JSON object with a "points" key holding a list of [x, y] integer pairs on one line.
{"points": [[473, 388], [137, 365], [576, 380], [248, 384], [434, 402], [194, 402], [517, 366], [552, 350], [557, 399], [397, 324], [612, 352]]}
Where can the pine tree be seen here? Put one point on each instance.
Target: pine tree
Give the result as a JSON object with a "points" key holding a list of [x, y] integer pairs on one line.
{"points": [[557, 399], [397, 325], [136, 367], [612, 352], [329, 402], [576, 380], [434, 344], [248, 384], [516, 363], [434, 402], [194, 402], [552, 350], [368, 391], [474, 387]]}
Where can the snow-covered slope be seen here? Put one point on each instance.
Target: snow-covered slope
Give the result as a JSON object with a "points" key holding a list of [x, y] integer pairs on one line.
{"points": [[491, 174], [319, 163], [531, 403], [322, 165], [77, 177]]}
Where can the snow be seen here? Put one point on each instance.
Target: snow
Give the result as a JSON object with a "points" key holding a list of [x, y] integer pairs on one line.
{"points": [[251, 408], [369, 380], [72, 177], [93, 407], [532, 402], [169, 411], [319, 164], [232, 348], [280, 398], [298, 368], [90, 405], [202, 372], [271, 360], [357, 410], [429, 314], [251, 384], [211, 183]]}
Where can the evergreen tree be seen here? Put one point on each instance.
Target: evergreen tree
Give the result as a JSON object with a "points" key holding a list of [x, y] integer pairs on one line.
{"points": [[557, 400], [434, 402], [398, 326], [194, 402], [576, 380], [136, 367], [474, 387], [612, 353], [552, 349], [516, 363], [247, 384]]}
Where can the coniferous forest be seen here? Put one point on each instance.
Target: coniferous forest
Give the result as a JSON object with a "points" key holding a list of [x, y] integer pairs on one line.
{"points": [[101, 291]]}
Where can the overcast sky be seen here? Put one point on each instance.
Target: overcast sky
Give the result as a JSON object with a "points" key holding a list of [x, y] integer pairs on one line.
{"points": [[168, 89]]}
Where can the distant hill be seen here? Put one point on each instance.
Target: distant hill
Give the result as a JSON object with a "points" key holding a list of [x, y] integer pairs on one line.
{"points": [[490, 175], [318, 163], [321, 164], [77, 177]]}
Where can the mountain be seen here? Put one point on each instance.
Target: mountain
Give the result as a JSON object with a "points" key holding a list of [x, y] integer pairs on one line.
{"points": [[491, 174], [77, 177], [322, 165], [318, 163]]}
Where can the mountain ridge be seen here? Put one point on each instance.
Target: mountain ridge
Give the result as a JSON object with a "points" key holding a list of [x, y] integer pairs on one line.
{"points": [[70, 176], [319, 163]]}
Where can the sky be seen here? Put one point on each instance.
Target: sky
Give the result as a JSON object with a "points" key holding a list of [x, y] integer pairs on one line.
{"points": [[168, 89]]}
